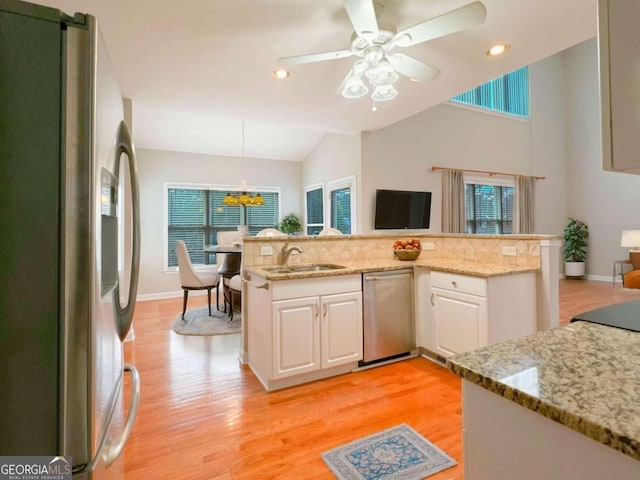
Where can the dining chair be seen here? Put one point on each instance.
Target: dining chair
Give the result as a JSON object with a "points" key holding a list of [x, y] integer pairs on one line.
{"points": [[329, 231], [192, 280], [235, 283], [270, 232]]}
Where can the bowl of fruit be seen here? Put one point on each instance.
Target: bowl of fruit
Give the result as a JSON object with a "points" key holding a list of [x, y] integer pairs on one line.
{"points": [[407, 249]]}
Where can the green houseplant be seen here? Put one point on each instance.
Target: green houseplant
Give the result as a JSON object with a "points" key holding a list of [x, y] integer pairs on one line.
{"points": [[291, 224], [576, 240]]}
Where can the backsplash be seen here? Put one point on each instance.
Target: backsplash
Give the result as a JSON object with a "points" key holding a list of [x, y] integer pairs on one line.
{"points": [[475, 248]]}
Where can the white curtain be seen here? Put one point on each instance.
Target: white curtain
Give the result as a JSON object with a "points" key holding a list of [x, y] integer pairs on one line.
{"points": [[524, 192], [453, 218]]}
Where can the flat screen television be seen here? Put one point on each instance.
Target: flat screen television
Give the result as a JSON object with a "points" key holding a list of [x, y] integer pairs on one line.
{"points": [[400, 209]]}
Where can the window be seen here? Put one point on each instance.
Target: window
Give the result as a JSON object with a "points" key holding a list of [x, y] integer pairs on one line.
{"points": [[507, 94], [196, 215], [314, 206], [489, 206], [342, 208]]}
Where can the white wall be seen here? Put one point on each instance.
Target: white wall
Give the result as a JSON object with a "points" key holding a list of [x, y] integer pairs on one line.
{"points": [[608, 202], [157, 167], [336, 156], [548, 144], [401, 156]]}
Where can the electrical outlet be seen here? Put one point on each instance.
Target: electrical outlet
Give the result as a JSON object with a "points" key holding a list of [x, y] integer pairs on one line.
{"points": [[509, 251], [266, 250], [428, 246]]}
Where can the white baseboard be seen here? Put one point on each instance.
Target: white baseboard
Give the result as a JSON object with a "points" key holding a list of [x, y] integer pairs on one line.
{"points": [[163, 295], [597, 278]]}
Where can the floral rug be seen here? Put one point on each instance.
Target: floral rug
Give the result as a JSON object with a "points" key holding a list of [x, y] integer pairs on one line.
{"points": [[398, 453], [198, 322]]}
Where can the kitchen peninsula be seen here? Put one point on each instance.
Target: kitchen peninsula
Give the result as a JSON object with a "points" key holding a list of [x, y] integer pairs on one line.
{"points": [[506, 284], [559, 404]]}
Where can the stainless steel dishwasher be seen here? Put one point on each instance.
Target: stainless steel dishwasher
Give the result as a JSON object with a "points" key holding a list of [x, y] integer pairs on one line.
{"points": [[389, 329]]}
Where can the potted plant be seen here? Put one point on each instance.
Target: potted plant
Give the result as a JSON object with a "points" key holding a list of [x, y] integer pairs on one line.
{"points": [[576, 239], [291, 224]]}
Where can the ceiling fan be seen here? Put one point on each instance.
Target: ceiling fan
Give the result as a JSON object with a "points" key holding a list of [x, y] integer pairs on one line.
{"points": [[373, 42]]}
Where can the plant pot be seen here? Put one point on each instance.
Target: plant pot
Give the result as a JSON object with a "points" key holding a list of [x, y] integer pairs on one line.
{"points": [[574, 269]]}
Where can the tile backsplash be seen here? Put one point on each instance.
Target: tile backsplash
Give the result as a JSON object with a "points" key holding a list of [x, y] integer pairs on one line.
{"points": [[476, 248]]}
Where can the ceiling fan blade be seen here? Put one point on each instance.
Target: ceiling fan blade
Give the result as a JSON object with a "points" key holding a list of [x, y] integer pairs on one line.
{"points": [[314, 57], [412, 68], [362, 15], [450, 22]]}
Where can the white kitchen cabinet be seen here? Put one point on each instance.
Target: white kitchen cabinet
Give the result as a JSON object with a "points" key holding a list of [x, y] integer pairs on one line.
{"points": [[619, 76], [303, 330], [530, 445], [460, 321], [316, 332], [470, 312], [296, 337]]}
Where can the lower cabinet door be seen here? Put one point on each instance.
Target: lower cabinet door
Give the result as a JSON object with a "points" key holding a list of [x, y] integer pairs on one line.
{"points": [[341, 329], [460, 321], [296, 336]]}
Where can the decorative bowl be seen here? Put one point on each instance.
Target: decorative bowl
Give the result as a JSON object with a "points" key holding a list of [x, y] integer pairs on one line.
{"points": [[407, 254]]}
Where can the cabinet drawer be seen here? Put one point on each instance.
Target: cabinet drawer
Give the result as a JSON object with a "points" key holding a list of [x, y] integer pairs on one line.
{"points": [[459, 283], [307, 287]]}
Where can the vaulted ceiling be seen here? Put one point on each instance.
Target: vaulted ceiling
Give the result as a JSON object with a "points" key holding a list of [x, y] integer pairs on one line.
{"points": [[198, 70]]}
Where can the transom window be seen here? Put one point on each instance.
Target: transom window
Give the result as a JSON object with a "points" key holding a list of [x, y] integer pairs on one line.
{"points": [[489, 206], [508, 94], [196, 215]]}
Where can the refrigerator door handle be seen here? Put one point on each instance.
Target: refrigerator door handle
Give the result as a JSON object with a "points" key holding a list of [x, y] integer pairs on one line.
{"points": [[124, 144], [115, 449]]}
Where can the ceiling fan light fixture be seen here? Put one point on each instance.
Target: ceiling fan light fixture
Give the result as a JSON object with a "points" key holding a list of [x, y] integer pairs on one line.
{"points": [[498, 49], [373, 55], [382, 74], [360, 67], [354, 88], [383, 93]]}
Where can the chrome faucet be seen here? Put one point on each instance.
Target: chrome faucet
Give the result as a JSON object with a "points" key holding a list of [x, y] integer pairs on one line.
{"points": [[286, 251]]}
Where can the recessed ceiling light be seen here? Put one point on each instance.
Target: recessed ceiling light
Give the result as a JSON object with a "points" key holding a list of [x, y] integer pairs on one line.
{"points": [[498, 49], [412, 79], [281, 74]]}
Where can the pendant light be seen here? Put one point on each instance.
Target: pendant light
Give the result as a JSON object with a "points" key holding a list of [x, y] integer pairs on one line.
{"points": [[244, 198]]}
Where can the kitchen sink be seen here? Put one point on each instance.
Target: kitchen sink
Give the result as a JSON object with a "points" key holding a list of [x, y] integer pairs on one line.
{"points": [[276, 270], [320, 267], [314, 268]]}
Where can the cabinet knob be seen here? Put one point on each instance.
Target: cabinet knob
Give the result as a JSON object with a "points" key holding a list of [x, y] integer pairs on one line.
{"points": [[454, 284]]}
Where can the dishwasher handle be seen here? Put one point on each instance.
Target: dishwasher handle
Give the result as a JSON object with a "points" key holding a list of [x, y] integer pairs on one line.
{"points": [[375, 278]]}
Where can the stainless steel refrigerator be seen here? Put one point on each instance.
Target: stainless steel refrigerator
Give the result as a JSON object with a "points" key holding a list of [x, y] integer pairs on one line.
{"points": [[70, 242]]}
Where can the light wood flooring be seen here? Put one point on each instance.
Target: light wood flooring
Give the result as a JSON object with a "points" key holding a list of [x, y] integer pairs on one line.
{"points": [[204, 416]]}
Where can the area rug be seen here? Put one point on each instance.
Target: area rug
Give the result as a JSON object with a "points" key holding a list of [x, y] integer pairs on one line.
{"points": [[398, 453], [198, 322]]}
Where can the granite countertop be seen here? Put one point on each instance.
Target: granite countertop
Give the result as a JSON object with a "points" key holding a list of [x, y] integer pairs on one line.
{"points": [[584, 376], [475, 269]]}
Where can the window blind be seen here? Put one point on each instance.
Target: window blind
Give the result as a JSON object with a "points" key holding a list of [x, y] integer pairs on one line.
{"points": [[315, 211], [489, 208], [341, 209], [507, 94], [197, 215]]}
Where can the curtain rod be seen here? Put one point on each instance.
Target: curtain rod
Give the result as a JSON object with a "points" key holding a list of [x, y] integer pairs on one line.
{"points": [[433, 169]]}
